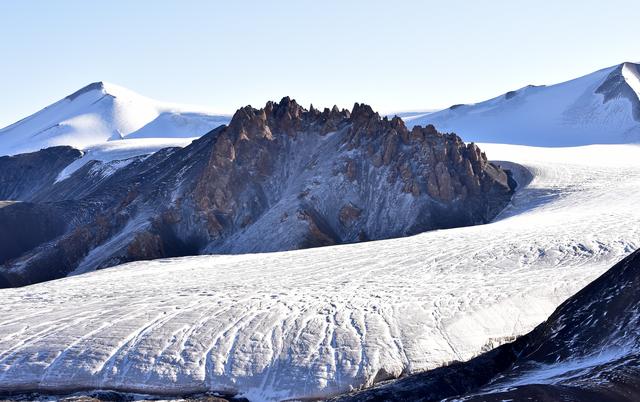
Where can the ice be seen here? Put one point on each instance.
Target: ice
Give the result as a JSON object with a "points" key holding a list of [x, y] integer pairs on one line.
{"points": [[312, 323]]}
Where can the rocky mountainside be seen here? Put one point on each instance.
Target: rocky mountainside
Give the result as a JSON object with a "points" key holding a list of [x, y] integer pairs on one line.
{"points": [[599, 108], [277, 178], [588, 350], [25, 175]]}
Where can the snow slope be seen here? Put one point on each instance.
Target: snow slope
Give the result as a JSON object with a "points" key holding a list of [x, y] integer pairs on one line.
{"points": [[105, 120], [412, 115], [317, 322], [122, 151], [602, 107]]}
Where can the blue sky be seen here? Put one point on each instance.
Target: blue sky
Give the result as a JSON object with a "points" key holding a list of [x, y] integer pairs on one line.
{"points": [[394, 55]]}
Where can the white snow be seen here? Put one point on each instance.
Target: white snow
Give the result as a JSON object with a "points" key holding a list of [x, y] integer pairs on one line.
{"points": [[109, 122], [119, 151], [317, 322], [631, 75], [408, 115], [566, 114], [568, 370], [121, 239]]}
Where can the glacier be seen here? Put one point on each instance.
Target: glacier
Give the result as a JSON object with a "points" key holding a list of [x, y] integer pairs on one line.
{"points": [[318, 322]]}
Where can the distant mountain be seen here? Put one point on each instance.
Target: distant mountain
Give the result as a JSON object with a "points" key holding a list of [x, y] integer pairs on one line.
{"points": [[276, 178], [108, 122], [602, 107], [588, 350]]}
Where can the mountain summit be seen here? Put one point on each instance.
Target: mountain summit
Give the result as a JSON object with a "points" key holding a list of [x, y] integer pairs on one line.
{"points": [[602, 107], [102, 112]]}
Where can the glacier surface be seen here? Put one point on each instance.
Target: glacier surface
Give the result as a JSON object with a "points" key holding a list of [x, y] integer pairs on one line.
{"points": [[313, 323]]}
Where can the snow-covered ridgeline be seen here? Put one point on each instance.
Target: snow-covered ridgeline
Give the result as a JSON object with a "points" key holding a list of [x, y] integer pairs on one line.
{"points": [[599, 108], [317, 322], [117, 154], [109, 123]]}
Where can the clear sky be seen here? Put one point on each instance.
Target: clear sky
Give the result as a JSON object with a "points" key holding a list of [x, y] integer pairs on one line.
{"points": [[395, 55]]}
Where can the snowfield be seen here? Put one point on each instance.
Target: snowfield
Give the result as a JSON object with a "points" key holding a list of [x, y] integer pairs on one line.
{"points": [[599, 108], [109, 123], [120, 153], [317, 322]]}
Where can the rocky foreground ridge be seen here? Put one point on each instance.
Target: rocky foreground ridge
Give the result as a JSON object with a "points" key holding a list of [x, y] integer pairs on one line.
{"points": [[277, 178]]}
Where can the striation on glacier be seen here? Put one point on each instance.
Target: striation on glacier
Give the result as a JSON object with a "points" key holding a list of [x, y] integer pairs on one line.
{"points": [[318, 322], [587, 350]]}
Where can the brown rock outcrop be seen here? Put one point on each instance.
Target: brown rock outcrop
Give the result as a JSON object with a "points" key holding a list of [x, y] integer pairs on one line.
{"points": [[240, 188]]}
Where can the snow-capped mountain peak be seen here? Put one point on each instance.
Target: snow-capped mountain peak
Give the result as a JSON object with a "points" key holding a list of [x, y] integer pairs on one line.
{"points": [[601, 107], [106, 88], [102, 112]]}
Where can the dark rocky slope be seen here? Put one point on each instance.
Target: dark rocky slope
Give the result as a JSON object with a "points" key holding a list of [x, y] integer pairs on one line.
{"points": [[22, 176], [588, 350], [276, 178]]}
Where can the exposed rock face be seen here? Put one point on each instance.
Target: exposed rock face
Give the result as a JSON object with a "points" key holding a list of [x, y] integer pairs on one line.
{"points": [[588, 350], [22, 176], [112, 396], [26, 225], [616, 86], [277, 178], [349, 214]]}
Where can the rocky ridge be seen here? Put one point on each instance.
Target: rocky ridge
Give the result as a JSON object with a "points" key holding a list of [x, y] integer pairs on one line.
{"points": [[277, 178]]}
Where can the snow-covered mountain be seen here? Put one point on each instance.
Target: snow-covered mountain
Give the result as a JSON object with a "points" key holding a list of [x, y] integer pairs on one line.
{"points": [[101, 114], [602, 107], [317, 322]]}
